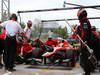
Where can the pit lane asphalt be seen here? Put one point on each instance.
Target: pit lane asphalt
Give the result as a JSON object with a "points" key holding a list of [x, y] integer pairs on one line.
{"points": [[23, 70]]}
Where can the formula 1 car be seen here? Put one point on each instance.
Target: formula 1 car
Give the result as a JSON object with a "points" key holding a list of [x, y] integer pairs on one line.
{"points": [[62, 53]]}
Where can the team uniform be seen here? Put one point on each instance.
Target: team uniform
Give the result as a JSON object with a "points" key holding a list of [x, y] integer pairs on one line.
{"points": [[28, 32], [91, 38], [12, 28], [2, 46], [50, 42], [2, 38]]}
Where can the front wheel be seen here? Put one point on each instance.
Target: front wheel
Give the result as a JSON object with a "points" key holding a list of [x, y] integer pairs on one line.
{"points": [[52, 59]]}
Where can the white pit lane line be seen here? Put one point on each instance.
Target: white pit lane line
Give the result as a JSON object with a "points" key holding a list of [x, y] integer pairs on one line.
{"points": [[36, 73], [7, 73]]}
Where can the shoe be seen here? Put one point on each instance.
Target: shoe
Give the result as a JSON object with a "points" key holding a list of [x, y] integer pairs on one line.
{"points": [[86, 74], [14, 65], [1, 65], [11, 70]]}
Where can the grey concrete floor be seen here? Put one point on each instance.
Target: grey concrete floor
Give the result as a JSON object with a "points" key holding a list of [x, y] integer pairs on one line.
{"points": [[23, 70]]}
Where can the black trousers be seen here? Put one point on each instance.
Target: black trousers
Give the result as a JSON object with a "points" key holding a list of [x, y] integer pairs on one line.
{"points": [[85, 62], [2, 45], [9, 52]]}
